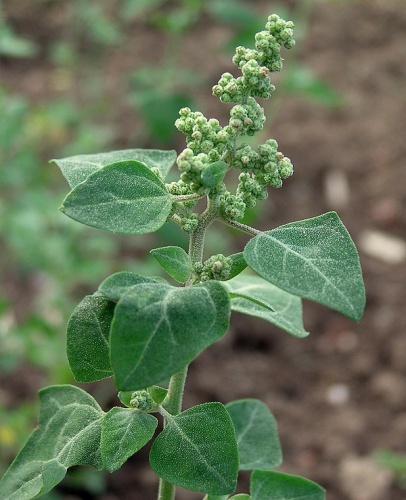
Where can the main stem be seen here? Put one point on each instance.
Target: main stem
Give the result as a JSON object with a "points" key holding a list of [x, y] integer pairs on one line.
{"points": [[173, 401]]}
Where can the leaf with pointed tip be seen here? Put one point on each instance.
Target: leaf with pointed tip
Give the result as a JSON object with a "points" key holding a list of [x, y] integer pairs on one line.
{"points": [[256, 297], [116, 285], [313, 258], [238, 264], [69, 434], [123, 197], [124, 432], [175, 261], [213, 174], [279, 486], [77, 169], [158, 329], [158, 394], [198, 450], [87, 341], [257, 434]]}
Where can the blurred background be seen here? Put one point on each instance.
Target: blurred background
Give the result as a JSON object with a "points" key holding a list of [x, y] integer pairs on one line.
{"points": [[85, 76]]}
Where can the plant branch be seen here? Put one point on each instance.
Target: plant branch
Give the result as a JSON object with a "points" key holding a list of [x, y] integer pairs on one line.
{"points": [[242, 227]]}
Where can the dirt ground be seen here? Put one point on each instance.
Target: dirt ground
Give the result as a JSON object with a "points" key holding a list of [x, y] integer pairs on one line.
{"points": [[340, 394]]}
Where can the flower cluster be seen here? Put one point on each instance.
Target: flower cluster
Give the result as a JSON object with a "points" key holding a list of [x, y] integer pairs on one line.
{"points": [[206, 142], [217, 267], [142, 401]]}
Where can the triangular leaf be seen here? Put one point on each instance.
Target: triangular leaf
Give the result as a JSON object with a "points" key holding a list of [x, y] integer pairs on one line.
{"points": [[158, 329], [257, 434], [254, 296], [175, 261], [116, 285], [123, 197], [87, 340], [279, 486], [77, 169], [69, 434], [313, 258], [198, 451], [124, 432]]}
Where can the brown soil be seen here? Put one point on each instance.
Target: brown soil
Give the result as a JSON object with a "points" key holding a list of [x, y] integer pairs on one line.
{"points": [[340, 394]]}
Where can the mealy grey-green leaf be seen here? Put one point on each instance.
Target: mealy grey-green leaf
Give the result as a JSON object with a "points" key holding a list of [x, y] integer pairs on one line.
{"points": [[88, 336], [313, 258], [116, 285], [69, 434], [175, 261], [283, 309], [257, 434], [123, 197], [198, 450], [158, 329], [278, 486], [124, 432], [77, 169]]}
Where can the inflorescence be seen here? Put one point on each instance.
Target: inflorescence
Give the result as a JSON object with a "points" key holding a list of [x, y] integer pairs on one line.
{"points": [[208, 142]]}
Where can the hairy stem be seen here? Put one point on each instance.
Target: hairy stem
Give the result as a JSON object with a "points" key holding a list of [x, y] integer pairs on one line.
{"points": [[242, 227], [173, 401]]}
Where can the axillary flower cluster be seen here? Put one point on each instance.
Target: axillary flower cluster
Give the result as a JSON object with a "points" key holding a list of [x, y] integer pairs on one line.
{"points": [[212, 149]]}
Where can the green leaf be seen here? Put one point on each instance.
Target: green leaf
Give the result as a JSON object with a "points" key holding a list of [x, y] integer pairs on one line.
{"points": [[87, 340], [116, 285], [123, 197], [313, 258], [158, 394], [77, 169], [254, 296], [213, 174], [238, 265], [198, 451], [257, 434], [240, 496], [158, 329], [124, 432], [278, 486], [68, 434], [125, 397], [175, 261]]}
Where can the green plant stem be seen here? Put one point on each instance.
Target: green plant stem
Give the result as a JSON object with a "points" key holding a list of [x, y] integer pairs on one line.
{"points": [[173, 401], [242, 227]]}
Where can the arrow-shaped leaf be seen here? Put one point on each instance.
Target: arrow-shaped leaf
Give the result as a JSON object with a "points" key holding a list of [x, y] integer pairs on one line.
{"points": [[314, 258], [69, 434]]}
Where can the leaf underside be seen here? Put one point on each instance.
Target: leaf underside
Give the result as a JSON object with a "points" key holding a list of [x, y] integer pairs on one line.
{"points": [[77, 169], [259, 298]]}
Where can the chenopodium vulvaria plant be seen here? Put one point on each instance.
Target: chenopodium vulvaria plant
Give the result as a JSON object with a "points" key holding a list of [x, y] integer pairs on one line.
{"points": [[144, 331]]}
